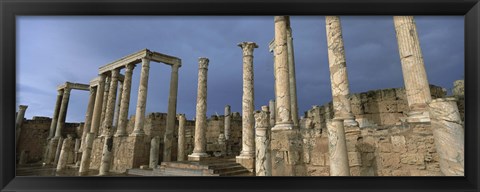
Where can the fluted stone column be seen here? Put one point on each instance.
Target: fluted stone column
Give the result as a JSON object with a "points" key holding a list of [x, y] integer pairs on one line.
{"points": [[263, 165], [272, 107], [88, 116], [108, 123], [19, 121], [53, 125], [97, 110], [338, 71], [119, 103], [181, 138], [125, 102], [228, 116], [414, 74], [200, 145], [247, 155], [142, 98], [63, 112], [282, 82], [104, 105], [337, 148], [63, 157], [291, 74], [172, 112], [448, 134]]}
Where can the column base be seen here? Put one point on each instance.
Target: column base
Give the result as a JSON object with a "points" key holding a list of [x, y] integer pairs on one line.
{"points": [[197, 156], [246, 161], [280, 127], [418, 117]]}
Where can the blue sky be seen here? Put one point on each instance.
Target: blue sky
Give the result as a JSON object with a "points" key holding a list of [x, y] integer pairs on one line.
{"points": [[55, 49]]}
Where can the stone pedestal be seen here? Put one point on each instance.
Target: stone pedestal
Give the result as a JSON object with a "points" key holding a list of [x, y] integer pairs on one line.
{"points": [[248, 121], [142, 98], [286, 152], [181, 138], [171, 116], [414, 74], [263, 162], [337, 148], [125, 102], [338, 71], [66, 148], [448, 133], [19, 121], [227, 120], [154, 152], [200, 148]]}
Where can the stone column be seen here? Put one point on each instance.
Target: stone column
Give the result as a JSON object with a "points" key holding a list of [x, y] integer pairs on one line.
{"points": [[459, 88], [172, 112], [271, 107], [154, 151], [104, 105], [337, 148], [248, 121], [448, 133], [53, 125], [58, 150], [291, 74], [19, 121], [119, 103], [181, 138], [77, 151], [125, 102], [414, 75], [63, 112], [200, 145], [282, 83], [338, 71], [227, 120], [142, 98], [87, 152], [63, 157], [108, 123], [88, 116], [263, 165]]}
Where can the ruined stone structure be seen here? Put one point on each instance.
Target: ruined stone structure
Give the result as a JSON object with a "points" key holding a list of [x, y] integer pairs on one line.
{"points": [[388, 132]]}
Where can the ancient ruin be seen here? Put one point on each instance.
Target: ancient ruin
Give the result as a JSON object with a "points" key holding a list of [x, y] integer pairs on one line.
{"points": [[416, 130]]}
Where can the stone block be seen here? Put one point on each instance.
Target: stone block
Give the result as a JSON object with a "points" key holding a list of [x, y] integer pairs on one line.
{"points": [[413, 159], [318, 171], [354, 159], [318, 159], [355, 171], [400, 173], [385, 147], [389, 160], [367, 159], [398, 143], [388, 106], [389, 94]]}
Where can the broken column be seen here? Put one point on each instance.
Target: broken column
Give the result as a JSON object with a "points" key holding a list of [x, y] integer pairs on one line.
{"points": [[338, 71], [337, 148], [181, 138], [19, 121], [108, 123], [448, 134], [154, 151], [414, 75], [125, 102], [66, 148], [142, 98], [247, 155], [171, 116], [262, 143], [227, 120], [53, 125], [200, 145], [291, 74]]}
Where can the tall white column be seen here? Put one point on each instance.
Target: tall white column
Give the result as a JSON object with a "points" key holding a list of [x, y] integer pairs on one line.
{"points": [[181, 138], [228, 116], [291, 74], [142, 98], [171, 115], [125, 102]]}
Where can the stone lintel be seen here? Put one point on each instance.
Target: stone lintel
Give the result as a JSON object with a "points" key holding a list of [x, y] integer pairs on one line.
{"points": [[136, 58], [70, 85]]}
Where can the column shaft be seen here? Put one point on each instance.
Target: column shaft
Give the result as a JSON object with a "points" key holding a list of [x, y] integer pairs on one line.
{"points": [[63, 157], [63, 112], [200, 147], [154, 150], [228, 116], [88, 116], [19, 121], [142, 98], [53, 125], [125, 101], [271, 107], [119, 105], [291, 73], [338, 71], [104, 105], [337, 148], [181, 138], [262, 143], [172, 112]]}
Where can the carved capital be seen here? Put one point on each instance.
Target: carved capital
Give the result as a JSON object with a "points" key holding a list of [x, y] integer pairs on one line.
{"points": [[22, 107], [280, 18], [203, 63], [247, 47], [262, 119]]}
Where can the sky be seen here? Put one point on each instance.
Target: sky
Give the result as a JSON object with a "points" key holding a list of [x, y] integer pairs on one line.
{"points": [[54, 49]]}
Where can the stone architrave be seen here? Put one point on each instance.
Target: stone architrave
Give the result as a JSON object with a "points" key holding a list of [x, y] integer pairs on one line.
{"points": [[154, 152], [19, 121], [142, 98], [247, 155], [200, 145], [125, 102], [414, 75], [181, 138], [282, 83], [63, 112], [337, 148], [338, 71], [88, 116], [263, 166], [291, 74], [66, 149], [172, 111], [272, 107], [227, 120], [108, 123], [53, 125], [448, 134]]}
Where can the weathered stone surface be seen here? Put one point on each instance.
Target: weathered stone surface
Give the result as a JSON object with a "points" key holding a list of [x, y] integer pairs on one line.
{"points": [[262, 143], [125, 101], [181, 138], [154, 152], [337, 148], [172, 111], [142, 98], [228, 117], [64, 154]]}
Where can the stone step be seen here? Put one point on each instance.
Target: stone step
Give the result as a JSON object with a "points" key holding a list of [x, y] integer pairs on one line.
{"points": [[243, 172], [228, 169]]}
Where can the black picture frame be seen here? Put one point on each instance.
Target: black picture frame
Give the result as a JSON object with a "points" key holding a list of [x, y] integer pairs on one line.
{"points": [[9, 9]]}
